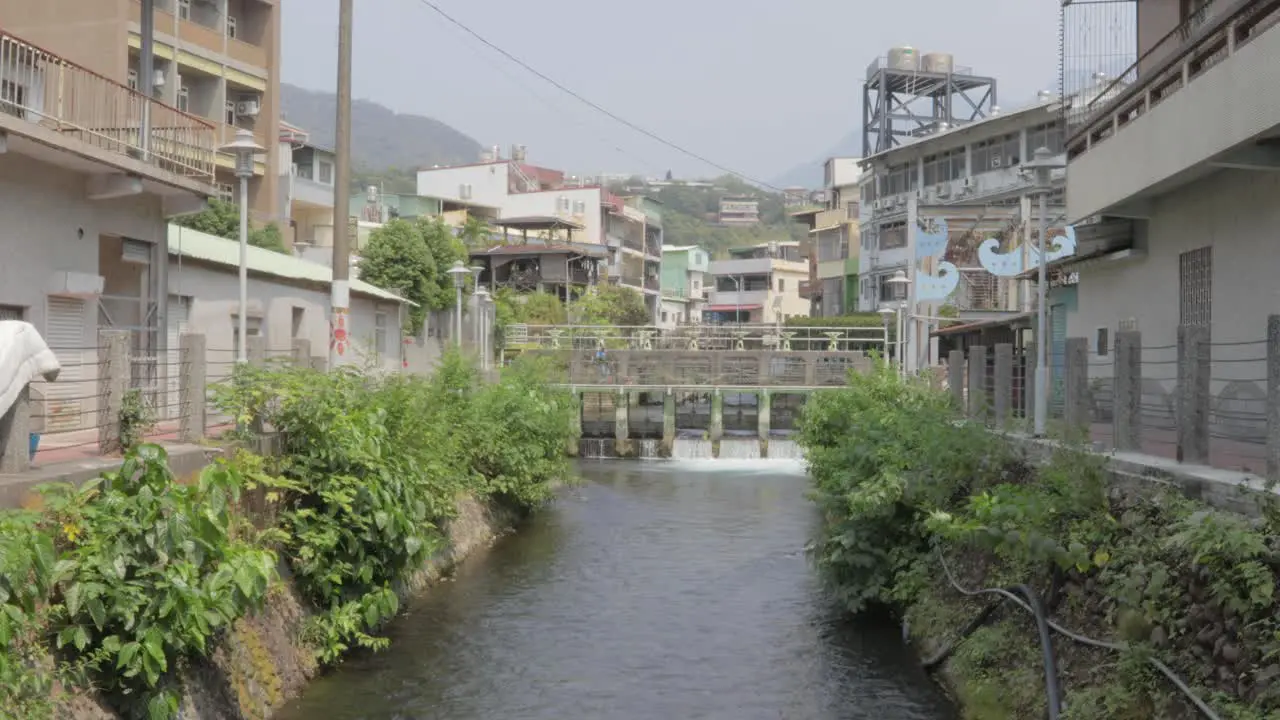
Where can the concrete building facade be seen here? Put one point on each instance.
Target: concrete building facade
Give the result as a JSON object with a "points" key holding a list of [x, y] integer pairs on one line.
{"points": [[759, 284], [684, 284]]}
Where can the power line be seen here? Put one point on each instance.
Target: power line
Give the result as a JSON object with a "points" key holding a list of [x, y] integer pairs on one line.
{"points": [[617, 118]]}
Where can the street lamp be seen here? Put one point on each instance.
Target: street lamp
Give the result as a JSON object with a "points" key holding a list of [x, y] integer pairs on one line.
{"points": [[244, 149], [898, 286], [1042, 168], [459, 273], [482, 322], [886, 315]]}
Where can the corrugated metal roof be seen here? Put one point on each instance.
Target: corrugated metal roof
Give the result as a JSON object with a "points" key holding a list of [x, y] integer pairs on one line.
{"points": [[208, 248]]}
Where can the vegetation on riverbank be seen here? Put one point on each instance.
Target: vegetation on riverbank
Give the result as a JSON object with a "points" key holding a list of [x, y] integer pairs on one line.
{"points": [[123, 584], [909, 491]]}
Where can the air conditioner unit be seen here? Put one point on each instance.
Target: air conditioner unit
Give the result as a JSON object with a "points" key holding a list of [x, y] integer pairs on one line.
{"points": [[875, 205], [579, 207], [248, 108], [967, 183], [943, 190], [464, 191]]}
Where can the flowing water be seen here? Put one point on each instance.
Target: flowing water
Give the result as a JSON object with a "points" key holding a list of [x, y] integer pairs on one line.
{"points": [[691, 449], [732, 448], [782, 449], [654, 591]]}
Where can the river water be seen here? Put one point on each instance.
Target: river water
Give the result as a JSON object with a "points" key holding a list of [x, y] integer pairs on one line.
{"points": [[654, 591]]}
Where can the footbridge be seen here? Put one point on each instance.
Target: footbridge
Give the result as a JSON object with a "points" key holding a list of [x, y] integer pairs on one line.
{"points": [[714, 384]]}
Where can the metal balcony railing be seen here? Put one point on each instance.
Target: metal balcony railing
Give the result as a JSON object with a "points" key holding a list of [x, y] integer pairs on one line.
{"points": [[47, 90], [1210, 35]]}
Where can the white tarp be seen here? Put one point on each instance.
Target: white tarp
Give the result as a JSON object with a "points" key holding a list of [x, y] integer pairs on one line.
{"points": [[24, 357]]}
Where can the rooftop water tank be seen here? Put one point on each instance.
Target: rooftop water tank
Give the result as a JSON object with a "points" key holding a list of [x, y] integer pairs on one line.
{"points": [[941, 63], [904, 58]]}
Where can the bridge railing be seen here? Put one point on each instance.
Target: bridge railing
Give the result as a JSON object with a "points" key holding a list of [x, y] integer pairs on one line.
{"points": [[706, 370], [695, 338]]}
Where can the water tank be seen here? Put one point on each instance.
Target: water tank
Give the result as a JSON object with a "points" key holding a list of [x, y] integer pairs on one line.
{"points": [[487, 155], [904, 58], [497, 152], [937, 63], [995, 110], [1044, 96], [371, 194], [519, 153]]}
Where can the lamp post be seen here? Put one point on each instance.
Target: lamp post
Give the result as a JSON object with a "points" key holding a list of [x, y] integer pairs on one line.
{"points": [[459, 273], [1042, 167], [475, 288], [899, 284], [244, 149], [482, 326], [886, 314]]}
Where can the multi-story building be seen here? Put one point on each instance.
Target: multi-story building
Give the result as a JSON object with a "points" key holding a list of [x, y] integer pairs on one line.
{"points": [[217, 60], [306, 190], [739, 210], [833, 244], [758, 284], [630, 229], [684, 284], [1180, 154]]}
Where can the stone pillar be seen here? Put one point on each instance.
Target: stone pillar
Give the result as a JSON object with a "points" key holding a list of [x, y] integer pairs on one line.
{"points": [[1003, 384], [320, 363], [763, 404], [717, 415], [1273, 397], [811, 369], [1029, 388], [1076, 413], [955, 376], [256, 351], [15, 435], [621, 426], [192, 376], [1127, 392], [1193, 394], [301, 352], [113, 383], [978, 382], [668, 423], [575, 423], [622, 371]]}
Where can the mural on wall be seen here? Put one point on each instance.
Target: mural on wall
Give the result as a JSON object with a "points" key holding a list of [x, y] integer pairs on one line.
{"points": [[1011, 263], [932, 235]]}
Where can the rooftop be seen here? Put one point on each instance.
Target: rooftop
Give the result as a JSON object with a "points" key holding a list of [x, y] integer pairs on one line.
{"points": [[1051, 105], [594, 251], [538, 222]]}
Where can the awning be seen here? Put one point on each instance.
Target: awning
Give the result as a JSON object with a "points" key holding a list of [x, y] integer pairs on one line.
{"points": [[730, 308], [1013, 321]]}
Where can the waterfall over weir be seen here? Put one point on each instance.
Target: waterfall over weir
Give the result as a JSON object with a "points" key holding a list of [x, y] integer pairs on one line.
{"points": [[692, 449], [780, 449], [739, 449]]}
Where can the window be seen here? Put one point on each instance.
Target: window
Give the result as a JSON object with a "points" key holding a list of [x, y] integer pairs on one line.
{"points": [[782, 285], [1102, 342], [231, 112], [133, 79], [893, 236], [184, 9], [11, 312], [325, 172], [380, 333], [1195, 287], [252, 328], [664, 317], [184, 98], [231, 27], [1048, 135], [299, 316]]}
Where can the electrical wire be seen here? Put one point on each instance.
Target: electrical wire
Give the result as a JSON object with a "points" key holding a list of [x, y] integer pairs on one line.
{"points": [[585, 101]]}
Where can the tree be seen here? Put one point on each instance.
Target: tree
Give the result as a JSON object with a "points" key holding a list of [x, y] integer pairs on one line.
{"points": [[611, 305], [445, 249], [475, 232], [223, 219], [398, 259]]}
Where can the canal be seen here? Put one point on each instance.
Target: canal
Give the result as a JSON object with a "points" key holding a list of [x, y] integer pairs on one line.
{"points": [[654, 591]]}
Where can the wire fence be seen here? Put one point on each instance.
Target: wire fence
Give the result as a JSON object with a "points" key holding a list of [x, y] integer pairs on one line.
{"points": [[1158, 400], [1238, 405], [69, 412]]}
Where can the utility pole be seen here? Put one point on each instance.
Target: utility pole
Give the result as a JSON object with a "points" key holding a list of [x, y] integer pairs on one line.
{"points": [[340, 318]]}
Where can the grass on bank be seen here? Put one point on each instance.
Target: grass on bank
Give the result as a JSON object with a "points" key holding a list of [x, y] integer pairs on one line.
{"points": [[117, 586], [902, 479]]}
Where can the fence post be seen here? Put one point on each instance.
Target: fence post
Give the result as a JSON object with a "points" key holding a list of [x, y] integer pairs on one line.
{"points": [[256, 350], [716, 430], [1193, 394], [1004, 383], [763, 405], [621, 425], [575, 423], [955, 376], [301, 352], [1127, 391], [1273, 397], [1029, 388], [192, 376], [978, 382], [15, 435], [113, 383], [668, 422], [1076, 368]]}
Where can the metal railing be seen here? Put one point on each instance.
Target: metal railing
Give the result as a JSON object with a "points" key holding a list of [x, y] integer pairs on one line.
{"points": [[1211, 34], [45, 89], [700, 337]]}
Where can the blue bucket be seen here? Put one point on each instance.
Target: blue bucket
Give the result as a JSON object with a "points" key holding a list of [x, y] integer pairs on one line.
{"points": [[35, 445]]}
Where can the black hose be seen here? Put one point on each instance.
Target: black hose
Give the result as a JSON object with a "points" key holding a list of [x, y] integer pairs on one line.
{"points": [[978, 621], [1051, 687], [1177, 682]]}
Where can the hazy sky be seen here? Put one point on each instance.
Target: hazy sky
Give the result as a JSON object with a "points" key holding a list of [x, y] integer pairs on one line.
{"points": [[757, 85]]}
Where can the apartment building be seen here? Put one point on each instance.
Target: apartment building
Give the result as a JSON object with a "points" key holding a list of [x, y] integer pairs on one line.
{"points": [[1180, 155], [306, 177], [757, 284], [684, 284], [217, 60], [833, 245], [739, 210], [629, 228]]}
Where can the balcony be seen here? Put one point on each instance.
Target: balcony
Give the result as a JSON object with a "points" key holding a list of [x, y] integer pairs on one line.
{"points": [[60, 104], [1194, 102], [746, 299], [652, 284], [311, 192], [247, 53]]}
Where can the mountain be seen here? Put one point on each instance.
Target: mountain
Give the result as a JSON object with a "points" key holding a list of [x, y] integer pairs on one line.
{"points": [[809, 174], [380, 137]]}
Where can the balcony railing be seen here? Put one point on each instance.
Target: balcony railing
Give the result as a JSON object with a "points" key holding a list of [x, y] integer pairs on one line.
{"points": [[1216, 31], [652, 283], [47, 90]]}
